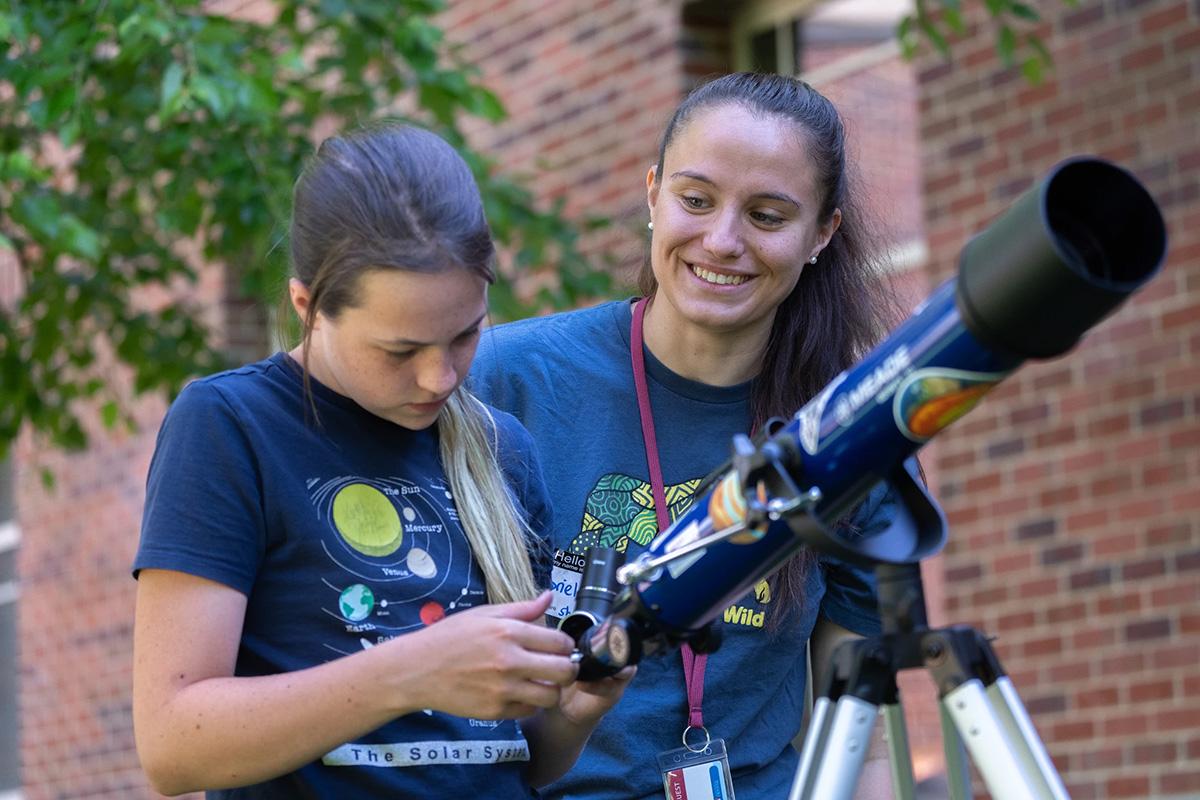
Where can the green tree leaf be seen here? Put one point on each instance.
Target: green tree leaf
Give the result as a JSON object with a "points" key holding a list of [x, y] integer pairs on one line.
{"points": [[188, 127]]}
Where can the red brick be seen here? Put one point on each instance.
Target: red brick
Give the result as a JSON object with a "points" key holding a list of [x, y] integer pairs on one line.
{"points": [[1145, 56], [1125, 725], [1093, 698], [1043, 647], [1157, 753], [1126, 604], [1184, 655], [1156, 690], [1116, 544], [1072, 731], [1167, 18], [1091, 638], [1180, 782], [1187, 39], [1017, 562], [1177, 719], [1127, 787]]}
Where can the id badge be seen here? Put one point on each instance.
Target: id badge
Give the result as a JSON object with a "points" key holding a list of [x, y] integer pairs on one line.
{"points": [[697, 773]]}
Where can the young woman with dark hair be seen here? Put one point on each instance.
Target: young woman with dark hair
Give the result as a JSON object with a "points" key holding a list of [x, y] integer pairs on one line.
{"points": [[758, 289], [342, 549]]}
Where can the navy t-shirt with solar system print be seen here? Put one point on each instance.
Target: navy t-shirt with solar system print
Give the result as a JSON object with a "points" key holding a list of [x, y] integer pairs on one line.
{"points": [[342, 535]]}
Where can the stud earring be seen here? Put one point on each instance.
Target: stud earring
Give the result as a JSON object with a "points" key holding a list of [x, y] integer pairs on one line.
{"points": [[650, 225], [812, 260]]}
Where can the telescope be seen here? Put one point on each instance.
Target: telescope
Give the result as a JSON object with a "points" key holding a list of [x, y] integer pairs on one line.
{"points": [[1065, 255]]}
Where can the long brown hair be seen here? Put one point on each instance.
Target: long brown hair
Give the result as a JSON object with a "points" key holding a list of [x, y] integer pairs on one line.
{"points": [[837, 310]]}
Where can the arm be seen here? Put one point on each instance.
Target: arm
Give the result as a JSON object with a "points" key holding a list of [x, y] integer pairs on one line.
{"points": [[557, 736], [875, 781], [197, 726]]}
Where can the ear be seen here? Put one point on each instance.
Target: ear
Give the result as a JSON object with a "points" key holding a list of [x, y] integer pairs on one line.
{"points": [[299, 295], [826, 231], [652, 187]]}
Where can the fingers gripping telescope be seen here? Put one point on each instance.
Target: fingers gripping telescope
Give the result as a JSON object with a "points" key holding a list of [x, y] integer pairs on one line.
{"points": [[1062, 258]]}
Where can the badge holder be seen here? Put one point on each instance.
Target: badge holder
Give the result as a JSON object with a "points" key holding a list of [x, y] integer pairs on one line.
{"points": [[697, 771]]}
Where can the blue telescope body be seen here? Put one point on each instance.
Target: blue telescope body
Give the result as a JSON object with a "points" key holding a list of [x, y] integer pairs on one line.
{"points": [[1060, 259]]}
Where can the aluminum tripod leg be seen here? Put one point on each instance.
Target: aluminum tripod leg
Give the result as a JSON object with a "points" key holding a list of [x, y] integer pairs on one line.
{"points": [[1002, 742], [904, 785], [834, 749], [958, 774]]}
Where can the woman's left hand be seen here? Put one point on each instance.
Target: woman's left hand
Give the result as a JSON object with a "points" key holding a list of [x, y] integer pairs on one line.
{"points": [[583, 703], [557, 735]]}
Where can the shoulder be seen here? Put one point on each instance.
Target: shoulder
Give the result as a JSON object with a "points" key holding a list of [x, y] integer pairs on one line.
{"points": [[511, 435], [229, 401], [551, 332], [535, 354], [221, 389]]}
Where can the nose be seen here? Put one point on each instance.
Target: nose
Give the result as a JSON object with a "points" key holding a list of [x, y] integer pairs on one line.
{"points": [[436, 372], [724, 235]]}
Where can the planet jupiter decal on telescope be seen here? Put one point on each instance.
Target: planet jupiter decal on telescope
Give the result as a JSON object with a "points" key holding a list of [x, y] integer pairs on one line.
{"points": [[930, 399]]}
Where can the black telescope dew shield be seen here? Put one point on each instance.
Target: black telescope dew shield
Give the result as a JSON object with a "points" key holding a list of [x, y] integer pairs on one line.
{"points": [[1060, 259]]}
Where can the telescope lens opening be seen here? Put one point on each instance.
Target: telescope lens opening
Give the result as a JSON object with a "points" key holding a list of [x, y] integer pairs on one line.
{"points": [[1104, 224]]}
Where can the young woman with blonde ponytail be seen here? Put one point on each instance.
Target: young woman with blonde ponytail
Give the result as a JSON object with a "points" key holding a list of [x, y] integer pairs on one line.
{"points": [[343, 552]]}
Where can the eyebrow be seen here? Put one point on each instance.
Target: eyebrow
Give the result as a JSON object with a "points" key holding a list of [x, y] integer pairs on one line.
{"points": [[696, 176], [417, 343]]}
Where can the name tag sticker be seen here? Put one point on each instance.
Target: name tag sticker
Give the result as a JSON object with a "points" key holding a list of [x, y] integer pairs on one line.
{"points": [[564, 583]]}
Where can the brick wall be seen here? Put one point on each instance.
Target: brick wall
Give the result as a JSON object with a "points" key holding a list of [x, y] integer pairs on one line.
{"points": [[75, 616], [1072, 494], [76, 613], [588, 87]]}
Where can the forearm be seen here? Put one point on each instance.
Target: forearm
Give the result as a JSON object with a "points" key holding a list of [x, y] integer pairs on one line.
{"points": [[232, 731], [555, 743]]}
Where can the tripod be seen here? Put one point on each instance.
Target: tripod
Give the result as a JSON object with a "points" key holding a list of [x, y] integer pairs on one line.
{"points": [[978, 704]]}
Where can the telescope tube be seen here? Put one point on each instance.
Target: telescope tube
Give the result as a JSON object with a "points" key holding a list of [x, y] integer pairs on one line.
{"points": [[1060, 259]]}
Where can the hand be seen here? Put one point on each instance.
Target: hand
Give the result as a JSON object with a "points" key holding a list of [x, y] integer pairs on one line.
{"points": [[585, 702], [490, 662]]}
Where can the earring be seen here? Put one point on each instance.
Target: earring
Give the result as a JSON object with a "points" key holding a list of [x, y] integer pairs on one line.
{"points": [[650, 225], [812, 260]]}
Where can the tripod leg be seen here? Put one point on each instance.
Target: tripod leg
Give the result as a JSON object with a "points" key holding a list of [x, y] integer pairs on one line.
{"points": [[998, 744], [1020, 728], [834, 750], [958, 776], [904, 785], [813, 752]]}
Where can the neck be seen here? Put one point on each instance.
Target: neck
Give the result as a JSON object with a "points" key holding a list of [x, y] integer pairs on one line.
{"points": [[717, 358]]}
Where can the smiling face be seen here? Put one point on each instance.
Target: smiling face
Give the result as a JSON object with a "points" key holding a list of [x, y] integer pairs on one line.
{"points": [[735, 220], [404, 346]]}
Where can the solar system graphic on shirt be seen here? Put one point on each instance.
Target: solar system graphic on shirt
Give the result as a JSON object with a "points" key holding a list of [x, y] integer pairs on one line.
{"points": [[398, 551]]}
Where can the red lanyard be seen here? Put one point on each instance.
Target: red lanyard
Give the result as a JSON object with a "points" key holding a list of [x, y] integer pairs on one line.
{"points": [[693, 664]]}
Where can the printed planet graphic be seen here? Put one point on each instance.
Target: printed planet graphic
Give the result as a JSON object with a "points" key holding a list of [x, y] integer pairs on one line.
{"points": [[431, 613], [420, 563], [356, 602], [367, 520], [929, 400]]}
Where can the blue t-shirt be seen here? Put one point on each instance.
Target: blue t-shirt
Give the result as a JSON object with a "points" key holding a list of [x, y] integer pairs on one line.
{"points": [[568, 379], [342, 535]]}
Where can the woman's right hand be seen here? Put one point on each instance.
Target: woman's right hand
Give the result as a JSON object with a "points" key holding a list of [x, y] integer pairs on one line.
{"points": [[490, 662]]}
